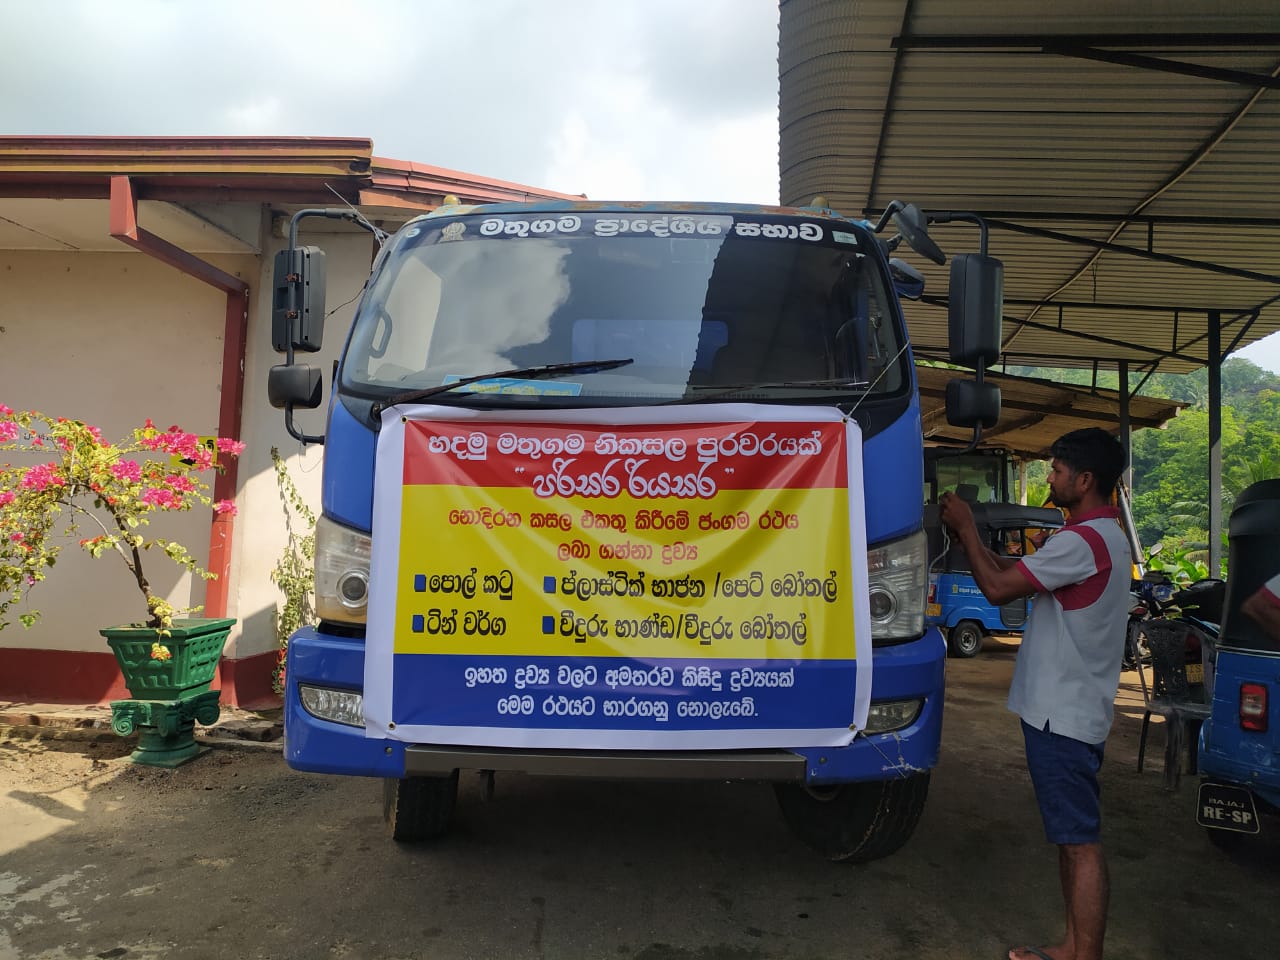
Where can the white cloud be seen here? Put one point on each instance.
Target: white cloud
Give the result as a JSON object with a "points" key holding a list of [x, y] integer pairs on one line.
{"points": [[259, 116], [642, 99]]}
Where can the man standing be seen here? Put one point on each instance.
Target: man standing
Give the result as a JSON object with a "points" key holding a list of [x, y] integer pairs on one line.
{"points": [[1068, 668]]}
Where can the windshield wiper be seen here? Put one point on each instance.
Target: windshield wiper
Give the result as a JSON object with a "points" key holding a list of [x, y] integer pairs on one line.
{"points": [[546, 371], [715, 392]]}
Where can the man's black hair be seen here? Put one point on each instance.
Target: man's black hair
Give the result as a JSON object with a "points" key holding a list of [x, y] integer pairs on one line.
{"points": [[1094, 450]]}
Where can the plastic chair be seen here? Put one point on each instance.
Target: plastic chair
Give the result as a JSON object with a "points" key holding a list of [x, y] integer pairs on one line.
{"points": [[1171, 697]]}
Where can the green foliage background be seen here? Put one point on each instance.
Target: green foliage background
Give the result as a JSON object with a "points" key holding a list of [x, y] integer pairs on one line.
{"points": [[1171, 466]]}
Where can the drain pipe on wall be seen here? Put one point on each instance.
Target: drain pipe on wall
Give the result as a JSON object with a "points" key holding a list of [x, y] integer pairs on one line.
{"points": [[124, 227]]}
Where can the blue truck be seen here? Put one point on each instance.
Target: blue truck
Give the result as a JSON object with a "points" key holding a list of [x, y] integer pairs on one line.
{"points": [[629, 490]]}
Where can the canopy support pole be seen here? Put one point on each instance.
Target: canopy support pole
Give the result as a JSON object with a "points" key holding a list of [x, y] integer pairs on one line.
{"points": [[1126, 435], [1215, 443]]}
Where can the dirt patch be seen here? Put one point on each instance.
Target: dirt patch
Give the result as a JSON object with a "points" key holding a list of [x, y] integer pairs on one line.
{"points": [[236, 855]]}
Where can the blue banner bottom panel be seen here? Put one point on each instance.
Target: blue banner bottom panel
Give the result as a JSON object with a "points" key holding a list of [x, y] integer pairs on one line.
{"points": [[616, 693]]}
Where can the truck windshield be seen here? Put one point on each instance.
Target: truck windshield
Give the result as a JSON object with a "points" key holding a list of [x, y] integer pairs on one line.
{"points": [[783, 307]]}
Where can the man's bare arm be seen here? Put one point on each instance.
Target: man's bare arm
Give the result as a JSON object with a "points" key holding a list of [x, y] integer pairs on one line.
{"points": [[1004, 561], [997, 577]]}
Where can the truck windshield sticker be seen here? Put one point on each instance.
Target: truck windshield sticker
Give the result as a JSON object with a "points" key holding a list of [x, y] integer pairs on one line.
{"points": [[621, 579], [522, 388]]}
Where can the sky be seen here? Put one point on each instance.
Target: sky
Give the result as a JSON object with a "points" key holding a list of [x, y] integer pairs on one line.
{"points": [[627, 99], [615, 99]]}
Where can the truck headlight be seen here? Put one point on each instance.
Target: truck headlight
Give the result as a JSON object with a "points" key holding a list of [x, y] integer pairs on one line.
{"points": [[890, 715], [896, 574], [342, 572], [339, 706]]}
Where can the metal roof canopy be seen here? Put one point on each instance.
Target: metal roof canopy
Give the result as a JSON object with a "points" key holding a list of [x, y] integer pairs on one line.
{"points": [[1124, 156], [1033, 413]]}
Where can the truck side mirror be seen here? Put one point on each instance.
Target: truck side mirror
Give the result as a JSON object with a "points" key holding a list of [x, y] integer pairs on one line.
{"points": [[913, 224], [975, 302], [972, 403], [297, 306], [296, 384]]}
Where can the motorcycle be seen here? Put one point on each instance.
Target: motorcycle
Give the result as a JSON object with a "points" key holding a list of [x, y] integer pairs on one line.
{"points": [[1198, 604]]}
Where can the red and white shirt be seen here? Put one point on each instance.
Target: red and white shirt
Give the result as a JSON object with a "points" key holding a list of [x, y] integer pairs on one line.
{"points": [[1068, 666]]}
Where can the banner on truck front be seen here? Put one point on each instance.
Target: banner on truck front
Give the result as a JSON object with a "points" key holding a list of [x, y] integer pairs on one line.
{"points": [[641, 578]]}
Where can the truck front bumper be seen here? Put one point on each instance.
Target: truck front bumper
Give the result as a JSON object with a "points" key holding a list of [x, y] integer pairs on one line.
{"points": [[904, 672]]}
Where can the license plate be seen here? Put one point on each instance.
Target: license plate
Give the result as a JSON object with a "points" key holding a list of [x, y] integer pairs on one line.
{"points": [[933, 610], [1195, 673], [1223, 807]]}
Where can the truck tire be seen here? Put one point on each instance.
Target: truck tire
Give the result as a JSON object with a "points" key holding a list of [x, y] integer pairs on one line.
{"points": [[419, 808], [965, 639], [855, 822]]}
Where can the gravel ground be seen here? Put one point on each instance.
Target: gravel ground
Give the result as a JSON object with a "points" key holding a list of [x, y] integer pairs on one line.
{"points": [[235, 855]]}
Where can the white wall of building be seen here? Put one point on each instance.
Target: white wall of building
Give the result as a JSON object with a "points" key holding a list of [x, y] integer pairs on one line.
{"points": [[114, 338], [111, 339]]}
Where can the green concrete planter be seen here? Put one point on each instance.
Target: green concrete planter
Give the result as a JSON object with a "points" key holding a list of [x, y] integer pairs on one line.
{"points": [[195, 647], [170, 691], [165, 728]]}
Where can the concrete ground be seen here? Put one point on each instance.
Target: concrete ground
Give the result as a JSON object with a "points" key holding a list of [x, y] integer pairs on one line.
{"points": [[235, 855]]}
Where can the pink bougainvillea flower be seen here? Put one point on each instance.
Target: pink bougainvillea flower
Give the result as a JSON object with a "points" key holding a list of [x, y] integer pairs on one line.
{"points": [[42, 476], [162, 498], [127, 470], [184, 445], [150, 471]]}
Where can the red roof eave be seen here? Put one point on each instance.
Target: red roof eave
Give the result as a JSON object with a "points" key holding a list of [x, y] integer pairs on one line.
{"points": [[273, 169], [419, 178], [164, 166]]}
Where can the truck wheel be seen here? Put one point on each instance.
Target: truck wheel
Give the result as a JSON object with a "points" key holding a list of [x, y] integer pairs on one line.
{"points": [[419, 808], [965, 639], [855, 822]]}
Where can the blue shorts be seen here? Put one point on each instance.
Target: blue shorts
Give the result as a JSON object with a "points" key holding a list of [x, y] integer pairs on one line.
{"points": [[1065, 774]]}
